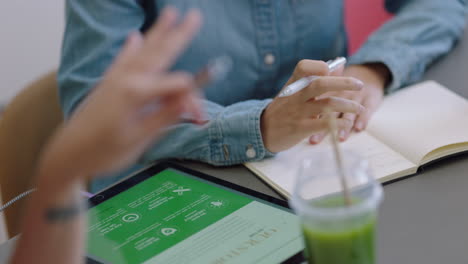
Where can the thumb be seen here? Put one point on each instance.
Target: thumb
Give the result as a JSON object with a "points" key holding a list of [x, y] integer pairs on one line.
{"points": [[132, 45]]}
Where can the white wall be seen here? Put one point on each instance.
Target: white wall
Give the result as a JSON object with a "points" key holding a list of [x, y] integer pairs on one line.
{"points": [[30, 39]]}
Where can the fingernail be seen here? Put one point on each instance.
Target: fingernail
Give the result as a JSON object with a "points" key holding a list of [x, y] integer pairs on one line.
{"points": [[314, 139], [361, 109], [359, 126], [342, 134], [359, 83]]}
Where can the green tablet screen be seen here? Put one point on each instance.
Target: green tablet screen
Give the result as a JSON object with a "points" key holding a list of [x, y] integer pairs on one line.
{"points": [[174, 217]]}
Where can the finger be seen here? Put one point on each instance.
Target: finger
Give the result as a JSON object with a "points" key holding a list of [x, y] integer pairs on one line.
{"points": [[133, 43], [333, 104], [193, 109], [309, 68], [145, 91], [330, 84], [147, 59], [322, 125], [173, 43], [344, 134], [164, 24], [179, 38], [168, 85], [363, 119], [317, 138], [155, 123]]}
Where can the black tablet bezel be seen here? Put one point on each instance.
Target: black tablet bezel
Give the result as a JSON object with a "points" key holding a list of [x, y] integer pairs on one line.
{"points": [[160, 166]]}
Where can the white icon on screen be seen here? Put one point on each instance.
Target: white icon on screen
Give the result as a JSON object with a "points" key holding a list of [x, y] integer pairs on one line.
{"points": [[168, 231], [181, 190], [130, 218], [216, 204]]}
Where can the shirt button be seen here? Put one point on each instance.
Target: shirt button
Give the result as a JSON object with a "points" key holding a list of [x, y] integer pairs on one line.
{"points": [[251, 153], [269, 59]]}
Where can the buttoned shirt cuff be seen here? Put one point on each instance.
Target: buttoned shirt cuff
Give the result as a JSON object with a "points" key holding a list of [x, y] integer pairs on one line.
{"points": [[236, 136], [405, 66]]}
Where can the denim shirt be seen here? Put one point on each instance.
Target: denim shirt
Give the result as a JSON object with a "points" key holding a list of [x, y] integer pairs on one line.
{"points": [[265, 39]]}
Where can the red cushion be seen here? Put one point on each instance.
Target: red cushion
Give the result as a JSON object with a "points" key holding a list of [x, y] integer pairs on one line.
{"points": [[362, 18]]}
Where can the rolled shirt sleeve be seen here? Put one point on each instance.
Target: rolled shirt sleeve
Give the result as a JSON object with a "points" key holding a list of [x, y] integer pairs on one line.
{"points": [[420, 32], [232, 136]]}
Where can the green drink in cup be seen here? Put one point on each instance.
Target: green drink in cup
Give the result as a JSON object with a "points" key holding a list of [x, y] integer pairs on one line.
{"points": [[337, 229]]}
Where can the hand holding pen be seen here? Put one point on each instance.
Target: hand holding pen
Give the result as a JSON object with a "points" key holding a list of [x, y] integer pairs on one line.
{"points": [[333, 65], [293, 114]]}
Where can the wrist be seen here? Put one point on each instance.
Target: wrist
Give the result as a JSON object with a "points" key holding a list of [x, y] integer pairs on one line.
{"points": [[376, 74], [278, 133], [58, 190], [265, 130], [54, 174]]}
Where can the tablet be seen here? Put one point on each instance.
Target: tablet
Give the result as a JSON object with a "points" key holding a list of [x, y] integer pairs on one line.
{"points": [[171, 214]]}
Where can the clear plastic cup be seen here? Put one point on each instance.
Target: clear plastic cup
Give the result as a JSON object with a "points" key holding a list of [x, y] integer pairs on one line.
{"points": [[334, 232]]}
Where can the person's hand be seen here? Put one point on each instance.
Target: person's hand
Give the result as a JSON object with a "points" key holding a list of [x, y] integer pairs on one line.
{"points": [[288, 120], [374, 77], [136, 100]]}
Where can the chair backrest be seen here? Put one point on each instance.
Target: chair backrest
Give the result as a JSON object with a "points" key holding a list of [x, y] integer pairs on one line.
{"points": [[362, 18], [25, 126]]}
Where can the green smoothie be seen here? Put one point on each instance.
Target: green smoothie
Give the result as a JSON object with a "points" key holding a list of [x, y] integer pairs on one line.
{"points": [[353, 246], [338, 226]]}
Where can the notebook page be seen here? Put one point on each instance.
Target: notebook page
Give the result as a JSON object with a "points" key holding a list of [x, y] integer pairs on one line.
{"points": [[281, 170], [421, 118]]}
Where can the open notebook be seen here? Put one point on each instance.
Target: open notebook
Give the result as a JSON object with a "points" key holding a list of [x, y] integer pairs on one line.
{"points": [[413, 127]]}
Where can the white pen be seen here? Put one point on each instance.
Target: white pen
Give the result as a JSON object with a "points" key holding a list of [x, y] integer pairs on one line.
{"points": [[305, 81]]}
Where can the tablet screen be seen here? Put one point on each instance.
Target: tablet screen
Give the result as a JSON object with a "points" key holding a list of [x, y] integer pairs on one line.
{"points": [[174, 217]]}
